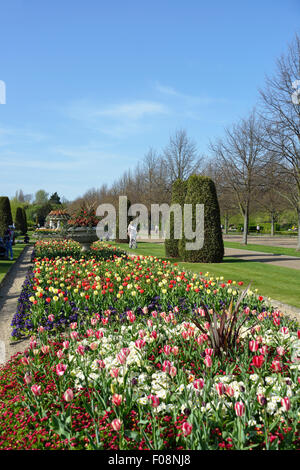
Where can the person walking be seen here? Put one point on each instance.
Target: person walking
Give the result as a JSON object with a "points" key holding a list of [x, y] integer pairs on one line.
{"points": [[8, 240], [132, 233]]}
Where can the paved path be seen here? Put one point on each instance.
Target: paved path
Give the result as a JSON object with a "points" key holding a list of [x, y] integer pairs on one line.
{"points": [[9, 294], [269, 258]]}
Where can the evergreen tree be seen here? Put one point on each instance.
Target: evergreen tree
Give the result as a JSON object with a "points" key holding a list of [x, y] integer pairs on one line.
{"points": [[20, 221]]}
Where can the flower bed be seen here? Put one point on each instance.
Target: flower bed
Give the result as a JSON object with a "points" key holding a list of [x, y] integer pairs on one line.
{"points": [[125, 354]]}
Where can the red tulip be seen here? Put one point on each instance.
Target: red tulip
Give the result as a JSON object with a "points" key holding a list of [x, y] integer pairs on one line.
{"points": [[285, 402], [187, 429], [117, 399]]}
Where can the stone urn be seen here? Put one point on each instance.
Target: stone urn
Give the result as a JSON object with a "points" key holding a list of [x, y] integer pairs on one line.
{"points": [[83, 235]]}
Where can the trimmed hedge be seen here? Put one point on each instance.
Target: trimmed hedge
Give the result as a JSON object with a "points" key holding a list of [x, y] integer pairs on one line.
{"points": [[5, 215], [179, 189], [202, 190]]}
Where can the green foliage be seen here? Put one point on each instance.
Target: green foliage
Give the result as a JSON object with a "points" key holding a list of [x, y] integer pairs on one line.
{"points": [[5, 214], [202, 190], [21, 221], [55, 199], [179, 189]]}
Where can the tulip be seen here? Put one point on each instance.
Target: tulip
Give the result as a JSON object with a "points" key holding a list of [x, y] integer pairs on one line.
{"points": [[167, 349], [66, 344], [186, 429], [253, 345], [257, 361], [154, 400], [175, 350], [239, 408], [80, 349], [117, 399], [173, 371], [51, 317], [208, 361], [61, 369], [276, 366], [36, 390], [220, 387], [229, 391], [286, 404], [28, 378], [280, 351], [101, 364], [209, 351], [198, 384], [116, 424], [68, 395]]}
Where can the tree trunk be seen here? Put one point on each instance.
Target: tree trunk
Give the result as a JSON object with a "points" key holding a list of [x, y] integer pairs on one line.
{"points": [[226, 224], [245, 233], [272, 224], [298, 244]]}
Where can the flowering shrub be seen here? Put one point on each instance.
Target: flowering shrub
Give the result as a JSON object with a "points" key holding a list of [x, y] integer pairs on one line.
{"points": [[121, 357], [84, 218]]}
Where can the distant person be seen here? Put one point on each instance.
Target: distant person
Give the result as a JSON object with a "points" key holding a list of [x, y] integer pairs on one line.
{"points": [[8, 241], [258, 228], [26, 238], [132, 233]]}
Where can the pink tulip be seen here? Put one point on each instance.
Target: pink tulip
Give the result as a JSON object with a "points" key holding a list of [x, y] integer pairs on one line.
{"points": [[239, 408], [99, 334], [167, 349], [80, 349], [173, 371], [90, 332], [60, 353], [51, 317], [66, 344], [175, 350]]}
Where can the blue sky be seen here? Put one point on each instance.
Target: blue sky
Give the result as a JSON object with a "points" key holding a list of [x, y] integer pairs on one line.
{"points": [[92, 85]]}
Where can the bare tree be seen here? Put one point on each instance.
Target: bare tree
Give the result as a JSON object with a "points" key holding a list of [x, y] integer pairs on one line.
{"points": [[281, 114], [240, 158], [181, 157]]}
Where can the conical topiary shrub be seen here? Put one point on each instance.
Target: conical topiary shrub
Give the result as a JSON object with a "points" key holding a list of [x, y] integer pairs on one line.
{"points": [[20, 221], [202, 190], [5, 214], [179, 188]]}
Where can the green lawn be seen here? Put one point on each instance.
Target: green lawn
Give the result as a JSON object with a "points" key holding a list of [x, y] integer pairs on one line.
{"points": [[276, 250], [6, 264], [282, 284]]}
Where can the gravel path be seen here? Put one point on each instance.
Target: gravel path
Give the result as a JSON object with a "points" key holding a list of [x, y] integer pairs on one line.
{"points": [[278, 260], [9, 293]]}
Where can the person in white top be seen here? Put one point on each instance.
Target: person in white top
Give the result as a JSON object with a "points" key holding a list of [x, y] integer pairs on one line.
{"points": [[132, 233]]}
